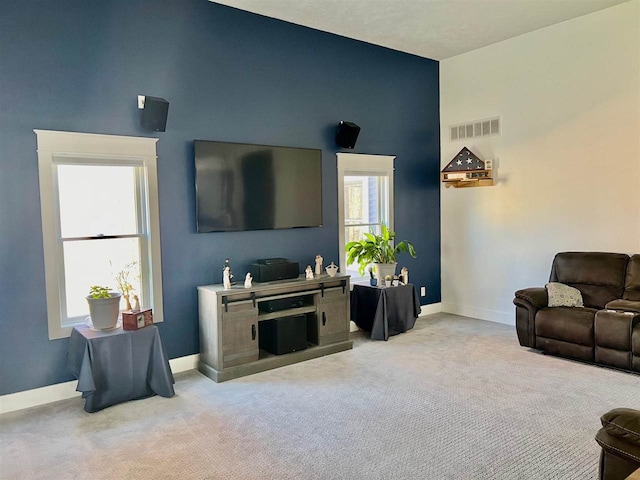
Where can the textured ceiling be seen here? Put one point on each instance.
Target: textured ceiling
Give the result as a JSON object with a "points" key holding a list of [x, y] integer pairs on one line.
{"points": [[436, 29]]}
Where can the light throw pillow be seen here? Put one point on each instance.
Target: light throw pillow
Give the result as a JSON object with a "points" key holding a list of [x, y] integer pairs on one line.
{"points": [[561, 295]]}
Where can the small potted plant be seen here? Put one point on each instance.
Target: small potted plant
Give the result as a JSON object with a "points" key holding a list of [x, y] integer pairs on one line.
{"points": [[104, 307], [378, 250], [124, 284]]}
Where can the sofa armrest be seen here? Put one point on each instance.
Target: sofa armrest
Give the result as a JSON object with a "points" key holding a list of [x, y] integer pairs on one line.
{"points": [[624, 305], [527, 303], [619, 438], [623, 423], [536, 296]]}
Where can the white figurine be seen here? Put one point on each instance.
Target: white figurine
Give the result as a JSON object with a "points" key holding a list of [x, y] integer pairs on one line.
{"points": [[308, 273], [226, 278], [404, 273], [227, 265], [247, 281], [319, 260]]}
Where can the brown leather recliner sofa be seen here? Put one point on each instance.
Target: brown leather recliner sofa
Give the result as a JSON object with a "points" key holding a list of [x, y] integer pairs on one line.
{"points": [[606, 330], [619, 438]]}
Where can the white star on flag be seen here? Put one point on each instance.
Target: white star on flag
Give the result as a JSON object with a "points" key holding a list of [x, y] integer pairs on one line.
{"points": [[459, 162], [469, 160]]}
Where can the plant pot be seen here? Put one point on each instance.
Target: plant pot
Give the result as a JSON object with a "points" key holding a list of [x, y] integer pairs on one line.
{"points": [[384, 269], [104, 311]]}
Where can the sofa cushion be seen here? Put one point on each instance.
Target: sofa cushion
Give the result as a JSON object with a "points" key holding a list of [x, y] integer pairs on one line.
{"points": [[573, 325], [623, 423], [632, 279], [600, 277], [561, 295]]}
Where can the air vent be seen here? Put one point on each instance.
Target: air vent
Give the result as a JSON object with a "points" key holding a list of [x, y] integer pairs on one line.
{"points": [[477, 128]]}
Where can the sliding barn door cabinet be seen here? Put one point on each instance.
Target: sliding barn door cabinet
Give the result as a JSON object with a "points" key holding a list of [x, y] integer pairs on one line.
{"points": [[230, 323]]}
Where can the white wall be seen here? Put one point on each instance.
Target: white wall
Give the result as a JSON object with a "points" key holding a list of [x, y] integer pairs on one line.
{"points": [[568, 163]]}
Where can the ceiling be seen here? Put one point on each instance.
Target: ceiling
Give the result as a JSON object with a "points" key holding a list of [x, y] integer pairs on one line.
{"points": [[436, 29]]}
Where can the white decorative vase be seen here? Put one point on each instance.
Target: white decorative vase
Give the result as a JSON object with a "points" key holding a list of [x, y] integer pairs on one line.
{"points": [[332, 269], [384, 269], [104, 311]]}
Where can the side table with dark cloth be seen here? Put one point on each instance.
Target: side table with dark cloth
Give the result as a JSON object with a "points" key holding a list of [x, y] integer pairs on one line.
{"points": [[384, 311], [118, 365]]}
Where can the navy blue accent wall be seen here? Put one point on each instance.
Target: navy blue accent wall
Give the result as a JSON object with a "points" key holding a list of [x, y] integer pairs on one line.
{"points": [[228, 75]]}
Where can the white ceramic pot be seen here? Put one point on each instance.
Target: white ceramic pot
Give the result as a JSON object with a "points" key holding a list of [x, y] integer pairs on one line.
{"points": [[384, 269], [104, 311]]}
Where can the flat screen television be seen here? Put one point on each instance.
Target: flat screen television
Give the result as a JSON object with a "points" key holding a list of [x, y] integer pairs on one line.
{"points": [[256, 187]]}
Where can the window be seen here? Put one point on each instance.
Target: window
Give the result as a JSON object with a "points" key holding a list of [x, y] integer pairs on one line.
{"points": [[99, 204], [365, 199]]}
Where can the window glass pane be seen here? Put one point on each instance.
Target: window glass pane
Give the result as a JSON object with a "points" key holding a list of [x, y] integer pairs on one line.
{"points": [[97, 199], [355, 233], [354, 200], [98, 262], [365, 199]]}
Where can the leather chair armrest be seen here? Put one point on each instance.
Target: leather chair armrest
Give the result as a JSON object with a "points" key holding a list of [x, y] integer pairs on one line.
{"points": [[536, 296], [624, 305], [527, 303], [623, 423], [619, 438]]}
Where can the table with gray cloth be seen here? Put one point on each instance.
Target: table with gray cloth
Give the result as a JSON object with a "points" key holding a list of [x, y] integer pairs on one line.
{"points": [[384, 311], [118, 365]]}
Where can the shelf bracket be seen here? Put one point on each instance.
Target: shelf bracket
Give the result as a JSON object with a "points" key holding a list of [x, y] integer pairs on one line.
{"points": [[322, 289], [253, 297], [225, 302], [344, 285]]}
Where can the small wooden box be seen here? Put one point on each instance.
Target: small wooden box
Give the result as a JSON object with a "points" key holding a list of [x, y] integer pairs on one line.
{"points": [[134, 320]]}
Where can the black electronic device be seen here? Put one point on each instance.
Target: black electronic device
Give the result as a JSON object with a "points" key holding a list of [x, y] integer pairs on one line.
{"points": [[280, 304], [275, 271], [347, 134], [272, 261], [256, 187], [154, 114], [283, 335]]}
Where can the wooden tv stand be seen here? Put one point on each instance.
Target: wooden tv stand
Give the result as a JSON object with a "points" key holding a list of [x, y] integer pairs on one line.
{"points": [[229, 334]]}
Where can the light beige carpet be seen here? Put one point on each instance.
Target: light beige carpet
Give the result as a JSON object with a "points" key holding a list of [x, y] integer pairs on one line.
{"points": [[455, 398]]}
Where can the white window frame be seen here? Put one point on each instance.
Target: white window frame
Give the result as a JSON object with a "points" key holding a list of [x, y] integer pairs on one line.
{"points": [[56, 147], [361, 164]]}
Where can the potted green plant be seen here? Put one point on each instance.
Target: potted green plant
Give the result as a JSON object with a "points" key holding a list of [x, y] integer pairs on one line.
{"points": [[378, 250], [104, 307]]}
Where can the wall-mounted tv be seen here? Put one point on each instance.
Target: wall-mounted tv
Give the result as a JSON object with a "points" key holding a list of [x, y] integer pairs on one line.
{"points": [[256, 187]]}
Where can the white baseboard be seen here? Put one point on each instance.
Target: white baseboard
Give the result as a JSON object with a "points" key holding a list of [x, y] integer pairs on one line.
{"points": [[38, 396], [431, 308], [182, 364], [62, 391], [507, 318]]}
